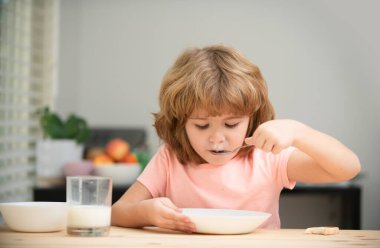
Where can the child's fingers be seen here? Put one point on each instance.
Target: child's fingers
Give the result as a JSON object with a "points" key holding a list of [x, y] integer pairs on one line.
{"points": [[260, 135], [174, 220], [249, 140], [183, 226], [261, 141], [170, 213], [277, 149], [267, 146]]}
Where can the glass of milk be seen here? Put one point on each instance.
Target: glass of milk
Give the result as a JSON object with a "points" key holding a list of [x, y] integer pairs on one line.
{"points": [[89, 200]]}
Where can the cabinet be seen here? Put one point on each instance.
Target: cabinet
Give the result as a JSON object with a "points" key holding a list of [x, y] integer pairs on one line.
{"points": [[302, 207], [331, 205]]}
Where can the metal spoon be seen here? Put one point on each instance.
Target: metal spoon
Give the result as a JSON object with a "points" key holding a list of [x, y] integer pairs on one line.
{"points": [[236, 149]]}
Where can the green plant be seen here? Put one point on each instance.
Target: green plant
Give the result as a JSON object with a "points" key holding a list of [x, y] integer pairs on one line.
{"points": [[54, 127]]}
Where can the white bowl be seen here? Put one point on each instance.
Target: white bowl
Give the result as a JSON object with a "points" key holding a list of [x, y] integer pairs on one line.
{"points": [[121, 174], [225, 221], [35, 216]]}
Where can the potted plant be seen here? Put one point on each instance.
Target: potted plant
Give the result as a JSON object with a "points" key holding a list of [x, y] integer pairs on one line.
{"points": [[62, 142], [53, 127]]}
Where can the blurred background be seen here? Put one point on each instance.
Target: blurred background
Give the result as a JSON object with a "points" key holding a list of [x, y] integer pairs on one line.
{"points": [[104, 60]]}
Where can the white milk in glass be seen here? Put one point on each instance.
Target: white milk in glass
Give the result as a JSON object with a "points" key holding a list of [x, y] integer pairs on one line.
{"points": [[82, 216], [89, 205]]}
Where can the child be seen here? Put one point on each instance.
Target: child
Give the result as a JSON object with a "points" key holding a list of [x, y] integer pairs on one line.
{"points": [[213, 100]]}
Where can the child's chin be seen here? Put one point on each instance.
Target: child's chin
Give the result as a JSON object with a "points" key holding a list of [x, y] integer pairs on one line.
{"points": [[218, 159]]}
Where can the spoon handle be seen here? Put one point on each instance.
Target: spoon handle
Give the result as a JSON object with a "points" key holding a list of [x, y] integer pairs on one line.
{"points": [[240, 147]]}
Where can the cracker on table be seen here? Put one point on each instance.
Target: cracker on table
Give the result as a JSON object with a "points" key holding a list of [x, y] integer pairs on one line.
{"points": [[323, 230]]}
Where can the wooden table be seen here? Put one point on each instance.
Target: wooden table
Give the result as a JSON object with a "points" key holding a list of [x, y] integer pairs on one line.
{"points": [[155, 237]]}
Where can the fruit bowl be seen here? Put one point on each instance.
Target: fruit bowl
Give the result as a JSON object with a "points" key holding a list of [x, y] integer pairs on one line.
{"points": [[122, 174], [35, 216]]}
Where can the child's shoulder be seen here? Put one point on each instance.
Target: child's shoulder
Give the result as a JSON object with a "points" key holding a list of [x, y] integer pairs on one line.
{"points": [[165, 154], [165, 150]]}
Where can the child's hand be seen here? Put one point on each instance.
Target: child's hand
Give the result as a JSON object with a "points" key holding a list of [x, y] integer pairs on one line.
{"points": [[276, 135], [163, 213]]}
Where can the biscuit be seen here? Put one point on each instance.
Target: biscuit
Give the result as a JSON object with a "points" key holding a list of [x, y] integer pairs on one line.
{"points": [[324, 230]]}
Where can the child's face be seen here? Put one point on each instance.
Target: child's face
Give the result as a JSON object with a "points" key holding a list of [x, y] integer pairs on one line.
{"points": [[212, 136]]}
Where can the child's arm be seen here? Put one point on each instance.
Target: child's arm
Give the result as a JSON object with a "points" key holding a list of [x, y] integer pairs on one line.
{"points": [[319, 158], [137, 208]]}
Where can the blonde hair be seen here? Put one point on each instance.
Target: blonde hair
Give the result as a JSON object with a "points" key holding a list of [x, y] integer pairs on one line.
{"points": [[218, 79]]}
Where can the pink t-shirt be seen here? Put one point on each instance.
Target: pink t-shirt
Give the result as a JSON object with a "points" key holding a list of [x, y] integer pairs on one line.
{"points": [[239, 184]]}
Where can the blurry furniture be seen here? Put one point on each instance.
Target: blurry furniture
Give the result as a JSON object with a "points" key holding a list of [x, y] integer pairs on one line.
{"points": [[135, 136], [99, 137], [302, 207], [58, 194], [321, 205]]}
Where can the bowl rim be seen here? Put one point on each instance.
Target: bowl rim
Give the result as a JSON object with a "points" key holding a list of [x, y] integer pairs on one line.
{"points": [[33, 204], [213, 220], [239, 212], [224, 213]]}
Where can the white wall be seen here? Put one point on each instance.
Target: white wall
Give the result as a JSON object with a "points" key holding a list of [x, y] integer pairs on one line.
{"points": [[319, 58]]}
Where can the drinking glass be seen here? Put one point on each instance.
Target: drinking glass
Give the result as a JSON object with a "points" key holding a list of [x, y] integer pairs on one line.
{"points": [[89, 200]]}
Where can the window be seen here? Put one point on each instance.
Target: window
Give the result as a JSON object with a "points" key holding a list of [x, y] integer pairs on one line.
{"points": [[27, 78]]}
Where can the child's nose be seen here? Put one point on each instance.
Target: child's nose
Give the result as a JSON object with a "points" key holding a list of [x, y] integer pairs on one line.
{"points": [[217, 137]]}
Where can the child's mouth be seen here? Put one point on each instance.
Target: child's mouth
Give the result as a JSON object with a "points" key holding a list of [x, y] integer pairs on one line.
{"points": [[218, 152]]}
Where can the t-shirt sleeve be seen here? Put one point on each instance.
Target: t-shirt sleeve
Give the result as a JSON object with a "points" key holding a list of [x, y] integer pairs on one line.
{"points": [[282, 168], [154, 176]]}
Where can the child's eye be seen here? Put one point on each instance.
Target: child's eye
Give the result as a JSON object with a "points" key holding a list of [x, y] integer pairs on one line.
{"points": [[231, 125], [202, 126]]}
